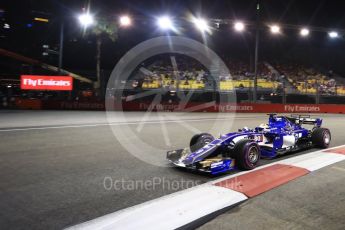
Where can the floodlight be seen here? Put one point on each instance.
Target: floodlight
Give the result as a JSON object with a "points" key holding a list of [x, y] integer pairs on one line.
{"points": [[165, 23], [304, 32], [275, 29], [125, 21], [333, 34], [201, 24], [239, 26], [86, 19]]}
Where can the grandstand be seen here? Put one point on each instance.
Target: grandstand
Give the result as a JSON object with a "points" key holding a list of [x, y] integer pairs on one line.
{"points": [[277, 82], [309, 80], [159, 73]]}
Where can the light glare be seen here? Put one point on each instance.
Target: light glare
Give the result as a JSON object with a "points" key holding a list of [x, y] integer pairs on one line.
{"points": [[275, 29], [201, 24], [125, 21], [86, 19], [333, 34], [304, 32], [165, 23], [239, 26]]}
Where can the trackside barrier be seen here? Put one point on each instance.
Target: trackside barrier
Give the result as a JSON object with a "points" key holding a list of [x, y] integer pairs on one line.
{"points": [[228, 107], [73, 105], [35, 104], [189, 107]]}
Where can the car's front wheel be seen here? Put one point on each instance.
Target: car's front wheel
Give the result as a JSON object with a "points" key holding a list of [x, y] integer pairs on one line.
{"points": [[321, 137], [200, 140], [247, 154]]}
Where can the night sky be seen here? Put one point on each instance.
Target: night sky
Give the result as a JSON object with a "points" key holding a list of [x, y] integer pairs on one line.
{"points": [[79, 49]]}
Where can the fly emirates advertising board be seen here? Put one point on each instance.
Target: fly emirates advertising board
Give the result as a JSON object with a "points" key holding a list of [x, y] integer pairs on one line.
{"points": [[35, 82]]}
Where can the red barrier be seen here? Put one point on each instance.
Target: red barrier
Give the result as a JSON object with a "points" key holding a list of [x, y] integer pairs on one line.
{"points": [[228, 107], [189, 107], [283, 108], [74, 105], [28, 103]]}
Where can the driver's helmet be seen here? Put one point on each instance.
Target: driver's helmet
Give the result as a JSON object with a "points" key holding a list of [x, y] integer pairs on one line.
{"points": [[264, 126], [288, 126], [245, 128]]}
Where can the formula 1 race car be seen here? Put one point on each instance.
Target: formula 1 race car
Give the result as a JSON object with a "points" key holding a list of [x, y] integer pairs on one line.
{"points": [[243, 149]]}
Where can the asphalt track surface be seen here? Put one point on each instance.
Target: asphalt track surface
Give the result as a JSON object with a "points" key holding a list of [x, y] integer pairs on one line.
{"points": [[314, 201], [59, 168]]}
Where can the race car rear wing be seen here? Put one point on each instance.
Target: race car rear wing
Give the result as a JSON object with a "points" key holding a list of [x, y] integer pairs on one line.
{"points": [[306, 119]]}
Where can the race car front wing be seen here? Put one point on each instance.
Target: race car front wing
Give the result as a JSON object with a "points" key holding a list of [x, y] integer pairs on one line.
{"points": [[214, 165]]}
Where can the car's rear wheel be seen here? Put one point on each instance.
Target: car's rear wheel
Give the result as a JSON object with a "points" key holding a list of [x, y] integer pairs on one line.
{"points": [[247, 154], [321, 137], [200, 140]]}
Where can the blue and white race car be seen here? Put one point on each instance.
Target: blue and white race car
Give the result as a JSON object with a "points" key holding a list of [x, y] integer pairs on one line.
{"points": [[243, 149]]}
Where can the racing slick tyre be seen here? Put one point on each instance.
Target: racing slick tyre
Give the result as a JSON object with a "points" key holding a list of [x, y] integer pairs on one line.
{"points": [[200, 140], [321, 137], [247, 154]]}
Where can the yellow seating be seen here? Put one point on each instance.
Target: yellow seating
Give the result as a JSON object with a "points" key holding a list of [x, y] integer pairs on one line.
{"points": [[226, 85], [341, 91], [167, 81], [312, 90], [151, 85], [231, 84]]}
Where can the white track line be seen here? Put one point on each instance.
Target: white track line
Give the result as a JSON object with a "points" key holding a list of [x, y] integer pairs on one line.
{"points": [[183, 207], [314, 161], [168, 212], [119, 123]]}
